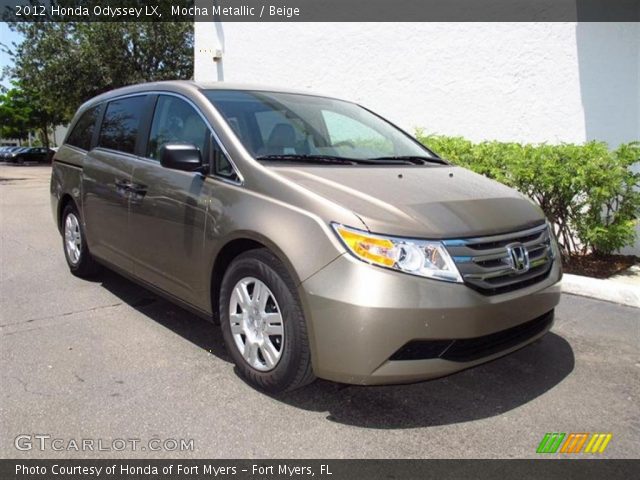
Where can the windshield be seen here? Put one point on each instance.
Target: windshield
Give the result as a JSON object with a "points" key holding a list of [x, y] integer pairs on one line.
{"points": [[297, 127]]}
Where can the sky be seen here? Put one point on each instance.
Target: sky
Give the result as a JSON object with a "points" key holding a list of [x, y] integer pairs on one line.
{"points": [[7, 37]]}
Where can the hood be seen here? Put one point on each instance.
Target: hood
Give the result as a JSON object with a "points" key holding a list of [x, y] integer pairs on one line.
{"points": [[429, 202]]}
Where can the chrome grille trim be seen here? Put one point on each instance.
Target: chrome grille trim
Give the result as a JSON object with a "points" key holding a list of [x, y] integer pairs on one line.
{"points": [[485, 263]]}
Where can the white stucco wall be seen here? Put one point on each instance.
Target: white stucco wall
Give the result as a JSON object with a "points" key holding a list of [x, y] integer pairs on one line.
{"points": [[529, 82], [535, 82]]}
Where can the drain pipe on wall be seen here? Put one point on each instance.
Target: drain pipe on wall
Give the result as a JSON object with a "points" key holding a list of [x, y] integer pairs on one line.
{"points": [[208, 52]]}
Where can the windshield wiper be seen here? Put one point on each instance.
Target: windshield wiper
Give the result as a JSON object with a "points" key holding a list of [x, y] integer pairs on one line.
{"points": [[411, 159], [324, 159], [332, 159]]}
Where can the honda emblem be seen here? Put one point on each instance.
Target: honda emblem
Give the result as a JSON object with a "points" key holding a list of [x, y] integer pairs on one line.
{"points": [[518, 257]]}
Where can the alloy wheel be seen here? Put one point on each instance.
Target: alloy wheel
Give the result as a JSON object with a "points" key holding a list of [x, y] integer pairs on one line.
{"points": [[72, 238], [256, 324]]}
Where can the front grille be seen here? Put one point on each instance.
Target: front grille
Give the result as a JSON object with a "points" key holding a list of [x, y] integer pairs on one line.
{"points": [[470, 349], [487, 266]]}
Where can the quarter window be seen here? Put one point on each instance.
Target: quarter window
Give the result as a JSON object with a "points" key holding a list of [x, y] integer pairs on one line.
{"points": [[82, 132], [222, 167], [121, 124]]}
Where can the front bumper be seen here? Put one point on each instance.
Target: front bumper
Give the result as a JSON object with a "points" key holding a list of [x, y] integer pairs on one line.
{"points": [[360, 316]]}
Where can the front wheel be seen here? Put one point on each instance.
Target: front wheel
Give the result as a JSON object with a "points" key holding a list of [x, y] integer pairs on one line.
{"points": [[262, 323]]}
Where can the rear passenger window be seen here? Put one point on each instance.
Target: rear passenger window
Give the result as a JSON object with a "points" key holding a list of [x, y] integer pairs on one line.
{"points": [[175, 121], [82, 132], [121, 124]]}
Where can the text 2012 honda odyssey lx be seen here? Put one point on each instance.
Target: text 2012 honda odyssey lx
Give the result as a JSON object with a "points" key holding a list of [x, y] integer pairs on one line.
{"points": [[326, 241]]}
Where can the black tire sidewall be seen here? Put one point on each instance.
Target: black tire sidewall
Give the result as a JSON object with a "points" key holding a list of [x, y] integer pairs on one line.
{"points": [[267, 268]]}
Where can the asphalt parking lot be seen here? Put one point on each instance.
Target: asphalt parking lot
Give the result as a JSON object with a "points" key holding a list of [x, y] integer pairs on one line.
{"points": [[106, 359]]}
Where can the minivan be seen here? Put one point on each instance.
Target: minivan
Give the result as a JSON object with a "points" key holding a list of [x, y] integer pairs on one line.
{"points": [[325, 241]]}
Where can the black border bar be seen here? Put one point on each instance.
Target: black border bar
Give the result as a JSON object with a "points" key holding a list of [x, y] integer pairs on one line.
{"points": [[583, 469], [322, 10]]}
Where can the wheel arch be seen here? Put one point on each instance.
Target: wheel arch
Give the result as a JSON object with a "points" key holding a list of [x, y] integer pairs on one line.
{"points": [[65, 200], [241, 243]]}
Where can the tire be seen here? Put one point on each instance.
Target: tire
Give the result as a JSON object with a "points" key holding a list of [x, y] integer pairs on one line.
{"points": [[74, 244], [275, 363]]}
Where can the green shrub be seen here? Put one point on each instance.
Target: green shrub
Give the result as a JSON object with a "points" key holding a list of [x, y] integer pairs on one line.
{"points": [[588, 192]]}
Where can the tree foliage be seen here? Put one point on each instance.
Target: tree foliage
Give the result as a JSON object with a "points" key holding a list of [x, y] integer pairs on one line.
{"points": [[589, 193], [13, 116], [63, 64], [22, 112]]}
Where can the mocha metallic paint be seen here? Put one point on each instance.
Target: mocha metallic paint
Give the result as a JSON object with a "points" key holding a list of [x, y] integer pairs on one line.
{"points": [[357, 314]]}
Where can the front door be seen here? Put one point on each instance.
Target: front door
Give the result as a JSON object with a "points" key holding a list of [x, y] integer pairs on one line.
{"points": [[168, 207]]}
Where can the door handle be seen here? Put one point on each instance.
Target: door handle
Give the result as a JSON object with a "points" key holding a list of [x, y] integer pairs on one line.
{"points": [[138, 188], [137, 192], [122, 188], [130, 189], [124, 184]]}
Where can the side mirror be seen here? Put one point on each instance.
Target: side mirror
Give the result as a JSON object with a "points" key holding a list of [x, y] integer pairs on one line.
{"points": [[180, 156]]}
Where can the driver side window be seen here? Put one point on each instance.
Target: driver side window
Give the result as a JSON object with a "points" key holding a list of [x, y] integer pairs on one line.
{"points": [[175, 121]]}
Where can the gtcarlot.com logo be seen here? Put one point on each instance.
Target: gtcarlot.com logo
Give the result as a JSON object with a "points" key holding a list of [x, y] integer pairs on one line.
{"points": [[574, 443], [44, 442]]}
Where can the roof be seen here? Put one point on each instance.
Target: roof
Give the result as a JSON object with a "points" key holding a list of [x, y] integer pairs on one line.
{"points": [[184, 86], [251, 87]]}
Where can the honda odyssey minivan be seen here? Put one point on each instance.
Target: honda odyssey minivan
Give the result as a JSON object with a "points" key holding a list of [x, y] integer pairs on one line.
{"points": [[324, 240]]}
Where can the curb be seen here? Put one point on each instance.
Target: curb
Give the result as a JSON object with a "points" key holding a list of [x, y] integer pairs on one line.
{"points": [[609, 290]]}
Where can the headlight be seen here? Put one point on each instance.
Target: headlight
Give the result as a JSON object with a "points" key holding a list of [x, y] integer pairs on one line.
{"points": [[417, 257], [555, 247]]}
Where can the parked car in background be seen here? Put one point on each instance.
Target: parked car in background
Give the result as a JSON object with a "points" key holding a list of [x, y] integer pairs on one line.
{"points": [[325, 241], [6, 152], [30, 154]]}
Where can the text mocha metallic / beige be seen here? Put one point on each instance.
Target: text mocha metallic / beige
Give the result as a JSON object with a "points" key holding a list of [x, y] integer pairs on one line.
{"points": [[324, 240]]}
